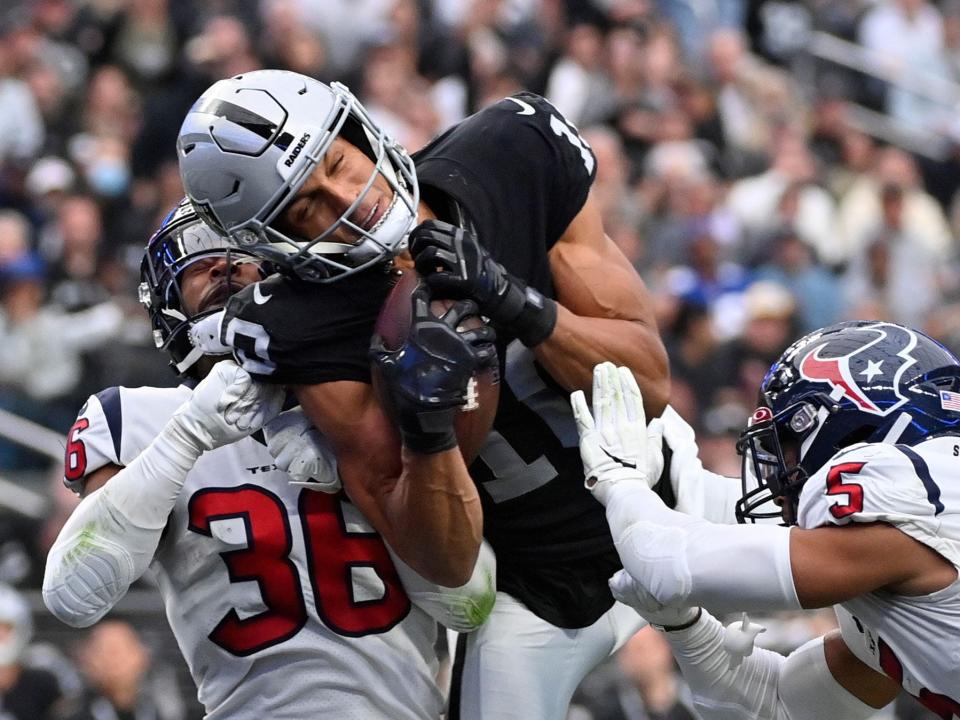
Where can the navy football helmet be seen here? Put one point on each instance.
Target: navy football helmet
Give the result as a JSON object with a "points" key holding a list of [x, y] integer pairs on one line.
{"points": [[182, 239], [851, 382]]}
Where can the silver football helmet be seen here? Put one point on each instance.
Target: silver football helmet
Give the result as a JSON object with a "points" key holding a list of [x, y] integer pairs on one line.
{"points": [[250, 142]]}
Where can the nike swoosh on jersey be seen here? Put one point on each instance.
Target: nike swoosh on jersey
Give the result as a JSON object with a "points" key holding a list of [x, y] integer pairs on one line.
{"points": [[258, 297], [525, 108]]}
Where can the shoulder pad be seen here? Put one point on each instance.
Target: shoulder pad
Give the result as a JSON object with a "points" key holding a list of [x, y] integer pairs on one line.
{"points": [[114, 426], [868, 482]]}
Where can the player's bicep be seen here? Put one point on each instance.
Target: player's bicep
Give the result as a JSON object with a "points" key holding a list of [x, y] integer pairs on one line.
{"points": [[834, 564], [98, 478], [593, 278]]}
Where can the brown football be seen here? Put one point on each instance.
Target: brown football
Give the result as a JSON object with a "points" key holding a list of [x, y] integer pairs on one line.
{"points": [[475, 418]]}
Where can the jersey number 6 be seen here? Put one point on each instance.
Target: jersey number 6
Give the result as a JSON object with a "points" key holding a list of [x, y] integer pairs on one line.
{"points": [[332, 554]]}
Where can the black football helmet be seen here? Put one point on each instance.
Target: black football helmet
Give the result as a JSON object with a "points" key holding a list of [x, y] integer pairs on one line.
{"points": [[182, 238], [851, 382]]}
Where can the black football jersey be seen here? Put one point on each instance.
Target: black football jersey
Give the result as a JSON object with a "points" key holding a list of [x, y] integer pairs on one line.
{"points": [[519, 172]]}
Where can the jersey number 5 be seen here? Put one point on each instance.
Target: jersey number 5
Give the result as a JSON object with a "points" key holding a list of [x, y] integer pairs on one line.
{"points": [[852, 491], [332, 554]]}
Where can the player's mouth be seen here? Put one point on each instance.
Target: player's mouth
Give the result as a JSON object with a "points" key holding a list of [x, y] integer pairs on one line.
{"points": [[217, 295], [375, 216], [368, 220]]}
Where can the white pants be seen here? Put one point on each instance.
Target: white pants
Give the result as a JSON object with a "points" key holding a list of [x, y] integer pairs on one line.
{"points": [[518, 665]]}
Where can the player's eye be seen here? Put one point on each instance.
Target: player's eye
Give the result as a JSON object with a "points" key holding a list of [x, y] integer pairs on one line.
{"points": [[302, 212]]}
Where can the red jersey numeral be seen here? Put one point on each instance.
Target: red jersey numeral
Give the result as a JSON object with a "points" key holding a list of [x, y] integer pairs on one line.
{"points": [[75, 458], [266, 559], [332, 554], [853, 491]]}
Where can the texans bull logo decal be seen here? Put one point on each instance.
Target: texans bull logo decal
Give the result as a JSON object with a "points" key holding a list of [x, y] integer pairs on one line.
{"points": [[864, 366]]}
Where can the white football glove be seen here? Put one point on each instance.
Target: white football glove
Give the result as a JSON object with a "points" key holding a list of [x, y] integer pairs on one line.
{"points": [[739, 638], [615, 443], [226, 406], [682, 440], [627, 590], [302, 452]]}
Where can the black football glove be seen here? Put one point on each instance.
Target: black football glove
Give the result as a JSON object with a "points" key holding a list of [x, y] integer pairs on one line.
{"points": [[427, 377], [455, 265]]}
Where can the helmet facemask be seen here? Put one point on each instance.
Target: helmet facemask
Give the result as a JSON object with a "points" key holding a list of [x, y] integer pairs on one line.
{"points": [[773, 448], [323, 258], [174, 248]]}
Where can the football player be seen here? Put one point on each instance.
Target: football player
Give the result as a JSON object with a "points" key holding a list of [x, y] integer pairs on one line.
{"points": [[497, 209], [284, 601], [857, 439]]}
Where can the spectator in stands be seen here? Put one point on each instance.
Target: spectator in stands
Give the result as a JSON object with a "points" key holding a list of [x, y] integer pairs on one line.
{"points": [[751, 97], [681, 199], [907, 38], [25, 693], [14, 237], [896, 276], [769, 323], [41, 362], [578, 85], [73, 246], [692, 346], [224, 48], [116, 664], [860, 212], [787, 194], [792, 264], [21, 125]]}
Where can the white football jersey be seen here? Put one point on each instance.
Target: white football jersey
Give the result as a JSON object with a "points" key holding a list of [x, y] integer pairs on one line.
{"points": [[284, 601], [914, 640]]}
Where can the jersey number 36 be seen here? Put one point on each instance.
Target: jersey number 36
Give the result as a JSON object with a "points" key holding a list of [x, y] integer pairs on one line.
{"points": [[332, 553]]}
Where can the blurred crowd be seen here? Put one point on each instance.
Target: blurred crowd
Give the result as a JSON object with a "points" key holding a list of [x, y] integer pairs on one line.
{"points": [[761, 189]]}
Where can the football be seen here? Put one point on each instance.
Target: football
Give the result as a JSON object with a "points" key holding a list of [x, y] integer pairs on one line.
{"points": [[474, 420]]}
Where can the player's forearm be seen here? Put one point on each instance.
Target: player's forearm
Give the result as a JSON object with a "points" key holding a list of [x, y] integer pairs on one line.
{"points": [[112, 535], [463, 608], [683, 560], [762, 685], [698, 491], [578, 344], [425, 507], [436, 516]]}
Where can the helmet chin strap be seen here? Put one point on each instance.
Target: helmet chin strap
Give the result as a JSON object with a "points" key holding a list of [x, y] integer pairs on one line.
{"points": [[897, 427], [204, 336]]}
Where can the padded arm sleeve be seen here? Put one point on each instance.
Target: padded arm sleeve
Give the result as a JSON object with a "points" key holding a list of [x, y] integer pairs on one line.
{"points": [[112, 535], [682, 560], [463, 608], [765, 684], [699, 492]]}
